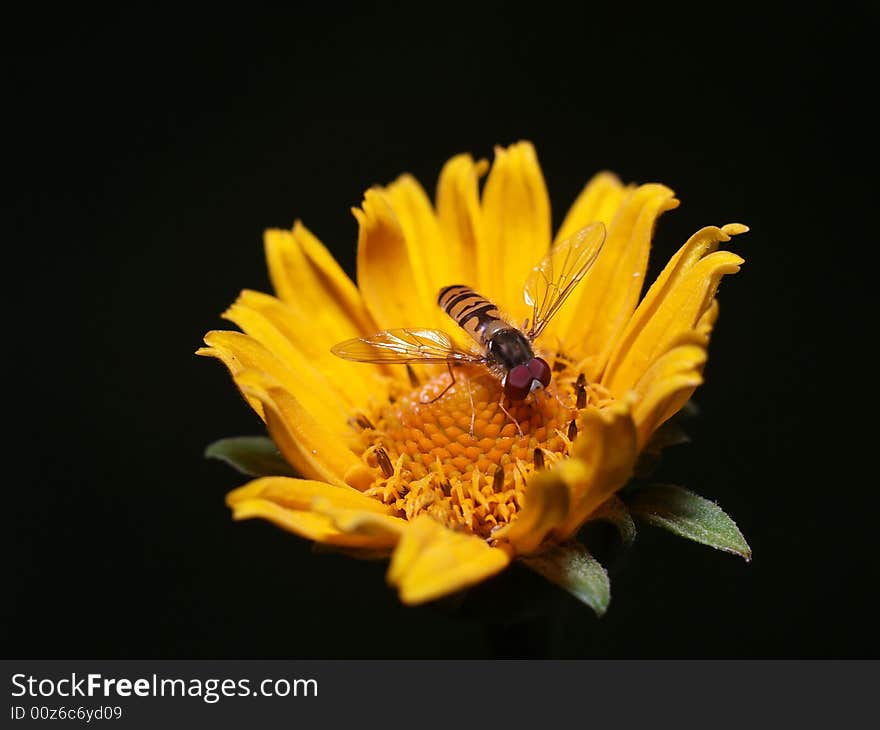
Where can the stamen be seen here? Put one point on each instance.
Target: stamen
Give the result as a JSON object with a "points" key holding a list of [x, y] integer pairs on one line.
{"points": [[465, 459], [581, 396], [572, 430], [384, 462], [498, 479], [561, 362], [538, 457]]}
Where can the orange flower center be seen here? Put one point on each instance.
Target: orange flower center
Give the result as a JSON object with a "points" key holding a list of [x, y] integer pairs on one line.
{"points": [[462, 454]]}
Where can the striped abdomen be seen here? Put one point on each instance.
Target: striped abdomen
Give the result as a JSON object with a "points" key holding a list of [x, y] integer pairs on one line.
{"points": [[475, 314]]}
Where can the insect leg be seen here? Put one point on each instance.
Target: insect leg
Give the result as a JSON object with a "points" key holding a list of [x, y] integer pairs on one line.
{"points": [[555, 395], [473, 410], [443, 392], [507, 413]]}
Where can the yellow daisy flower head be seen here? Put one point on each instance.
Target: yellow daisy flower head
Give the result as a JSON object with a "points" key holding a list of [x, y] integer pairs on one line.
{"points": [[486, 389]]}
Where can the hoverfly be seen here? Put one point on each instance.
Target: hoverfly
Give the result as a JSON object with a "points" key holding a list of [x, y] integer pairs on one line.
{"points": [[505, 350]]}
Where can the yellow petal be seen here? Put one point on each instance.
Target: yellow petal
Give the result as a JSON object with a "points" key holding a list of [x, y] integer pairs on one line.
{"points": [[240, 352], [605, 299], [308, 445], [385, 528], [306, 275], [667, 385], [390, 270], [309, 525], [431, 561], [515, 233], [360, 476], [603, 457], [301, 341], [546, 508], [598, 201], [682, 294], [299, 494], [458, 213], [707, 320], [428, 251]]}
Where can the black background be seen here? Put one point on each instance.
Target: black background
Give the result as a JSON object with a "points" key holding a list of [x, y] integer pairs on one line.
{"points": [[147, 154]]}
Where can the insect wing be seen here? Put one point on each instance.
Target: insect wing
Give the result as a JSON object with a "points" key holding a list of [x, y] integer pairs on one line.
{"points": [[405, 346], [551, 281]]}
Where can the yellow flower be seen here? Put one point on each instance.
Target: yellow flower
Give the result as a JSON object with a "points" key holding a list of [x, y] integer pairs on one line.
{"points": [[449, 488]]}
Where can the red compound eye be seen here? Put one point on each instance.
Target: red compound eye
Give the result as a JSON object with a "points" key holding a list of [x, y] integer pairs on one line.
{"points": [[540, 370], [518, 382]]}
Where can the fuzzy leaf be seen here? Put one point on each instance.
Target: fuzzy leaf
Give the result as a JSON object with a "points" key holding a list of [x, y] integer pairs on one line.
{"points": [[688, 515], [573, 568], [256, 456], [613, 510]]}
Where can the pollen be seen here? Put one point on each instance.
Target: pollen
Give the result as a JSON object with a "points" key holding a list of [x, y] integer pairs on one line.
{"points": [[462, 454]]}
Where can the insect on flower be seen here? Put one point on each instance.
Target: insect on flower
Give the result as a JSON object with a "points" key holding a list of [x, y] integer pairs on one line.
{"points": [[563, 395], [507, 351]]}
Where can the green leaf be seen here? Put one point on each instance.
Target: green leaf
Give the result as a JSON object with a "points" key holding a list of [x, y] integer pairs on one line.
{"points": [[613, 510], [256, 456], [689, 515], [570, 566]]}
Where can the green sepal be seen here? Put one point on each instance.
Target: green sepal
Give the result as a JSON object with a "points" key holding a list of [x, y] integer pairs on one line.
{"points": [[689, 410], [572, 567], [613, 510], [669, 434], [688, 515], [256, 456]]}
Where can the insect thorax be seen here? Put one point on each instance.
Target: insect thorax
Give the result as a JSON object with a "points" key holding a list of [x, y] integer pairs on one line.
{"points": [[509, 348]]}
